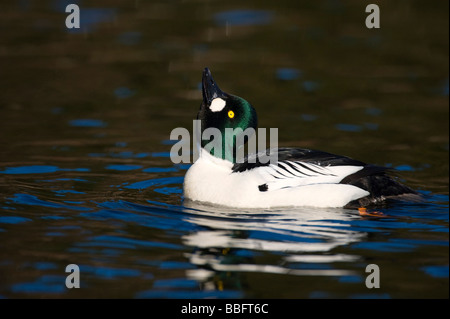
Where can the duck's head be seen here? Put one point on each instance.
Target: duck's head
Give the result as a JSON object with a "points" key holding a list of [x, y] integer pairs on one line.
{"points": [[220, 110]]}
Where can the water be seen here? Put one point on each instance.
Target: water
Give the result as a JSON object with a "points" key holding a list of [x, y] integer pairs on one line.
{"points": [[85, 170]]}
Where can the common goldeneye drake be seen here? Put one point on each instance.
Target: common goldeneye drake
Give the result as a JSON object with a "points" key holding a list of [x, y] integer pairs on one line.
{"points": [[300, 177]]}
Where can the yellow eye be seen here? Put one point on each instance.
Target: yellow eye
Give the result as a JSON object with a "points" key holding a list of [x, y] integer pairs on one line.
{"points": [[230, 114]]}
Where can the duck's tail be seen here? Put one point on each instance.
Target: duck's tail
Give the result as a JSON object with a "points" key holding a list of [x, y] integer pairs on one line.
{"points": [[380, 186]]}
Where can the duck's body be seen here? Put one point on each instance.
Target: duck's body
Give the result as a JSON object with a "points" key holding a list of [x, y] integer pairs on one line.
{"points": [[299, 177]]}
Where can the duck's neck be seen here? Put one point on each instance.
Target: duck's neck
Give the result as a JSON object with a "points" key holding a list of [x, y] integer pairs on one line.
{"points": [[229, 145], [220, 145]]}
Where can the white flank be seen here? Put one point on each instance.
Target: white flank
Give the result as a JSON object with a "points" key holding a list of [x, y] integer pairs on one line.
{"points": [[217, 105]]}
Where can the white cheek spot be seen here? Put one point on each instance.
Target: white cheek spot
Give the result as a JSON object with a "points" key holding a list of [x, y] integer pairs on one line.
{"points": [[217, 105]]}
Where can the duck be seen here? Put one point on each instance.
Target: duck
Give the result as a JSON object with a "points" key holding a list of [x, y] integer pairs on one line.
{"points": [[297, 176]]}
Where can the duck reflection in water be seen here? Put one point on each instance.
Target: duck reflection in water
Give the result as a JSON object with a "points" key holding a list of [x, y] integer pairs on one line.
{"points": [[232, 241]]}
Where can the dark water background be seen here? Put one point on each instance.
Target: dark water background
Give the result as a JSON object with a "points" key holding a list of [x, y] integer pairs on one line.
{"points": [[85, 172]]}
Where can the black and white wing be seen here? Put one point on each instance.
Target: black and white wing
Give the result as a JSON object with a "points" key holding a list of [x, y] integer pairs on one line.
{"points": [[297, 167]]}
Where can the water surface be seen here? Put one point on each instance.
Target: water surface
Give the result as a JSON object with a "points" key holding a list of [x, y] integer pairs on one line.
{"points": [[85, 170]]}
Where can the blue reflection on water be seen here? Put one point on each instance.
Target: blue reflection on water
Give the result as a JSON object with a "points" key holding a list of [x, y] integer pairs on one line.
{"points": [[177, 283], [116, 241], [356, 128], [13, 219], [288, 74], [108, 272], [175, 265], [43, 285], [123, 167], [437, 271], [169, 190], [40, 169], [27, 199], [349, 127], [64, 179], [129, 154], [146, 216], [155, 182], [42, 265], [160, 169], [243, 17], [87, 123], [405, 168], [53, 217], [351, 279], [124, 92], [385, 246], [309, 117], [62, 192]]}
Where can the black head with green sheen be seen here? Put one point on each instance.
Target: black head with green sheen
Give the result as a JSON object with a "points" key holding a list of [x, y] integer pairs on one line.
{"points": [[220, 110]]}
